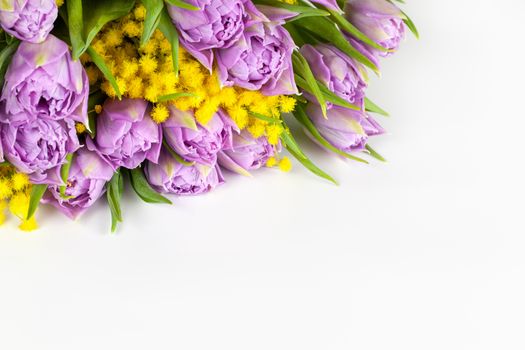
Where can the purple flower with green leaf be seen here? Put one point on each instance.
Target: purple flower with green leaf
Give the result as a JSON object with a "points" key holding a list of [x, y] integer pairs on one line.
{"points": [[86, 183], [380, 20], [217, 25], [43, 81], [338, 72], [346, 129]]}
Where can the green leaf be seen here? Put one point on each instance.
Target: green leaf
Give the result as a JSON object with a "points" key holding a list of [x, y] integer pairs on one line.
{"points": [[182, 4], [303, 118], [153, 12], [85, 25], [373, 108], [99, 61], [114, 195], [265, 118], [175, 96], [76, 25], [143, 189], [348, 27], [328, 95], [328, 31], [167, 28], [99, 12], [308, 164], [37, 192], [302, 68], [374, 154], [64, 175], [291, 144], [411, 25], [5, 57]]}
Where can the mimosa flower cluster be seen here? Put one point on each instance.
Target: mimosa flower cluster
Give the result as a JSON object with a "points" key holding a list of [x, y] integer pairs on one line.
{"points": [[169, 96]]}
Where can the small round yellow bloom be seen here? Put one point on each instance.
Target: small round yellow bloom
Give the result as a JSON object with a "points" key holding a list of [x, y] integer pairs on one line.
{"points": [[160, 113], [285, 164], [20, 181], [271, 162]]}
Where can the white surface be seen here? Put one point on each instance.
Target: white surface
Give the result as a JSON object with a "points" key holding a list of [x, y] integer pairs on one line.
{"points": [[424, 252]]}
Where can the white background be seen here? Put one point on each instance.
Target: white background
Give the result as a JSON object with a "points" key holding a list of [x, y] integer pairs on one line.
{"points": [[424, 252]]}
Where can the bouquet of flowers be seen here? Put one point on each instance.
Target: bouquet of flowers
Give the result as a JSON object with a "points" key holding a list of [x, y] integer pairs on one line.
{"points": [[165, 95]]}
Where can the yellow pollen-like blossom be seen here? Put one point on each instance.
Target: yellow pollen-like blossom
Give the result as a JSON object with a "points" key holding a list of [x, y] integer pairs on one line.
{"points": [[160, 113], [14, 195], [285, 164]]}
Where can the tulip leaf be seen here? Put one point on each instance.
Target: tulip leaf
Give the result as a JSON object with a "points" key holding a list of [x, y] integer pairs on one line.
{"points": [[170, 32], [374, 154], [151, 22], [99, 61], [302, 68], [411, 25], [298, 37], [328, 95], [5, 57], [308, 164], [290, 142], [143, 189], [64, 175], [183, 5], [175, 96], [373, 108], [302, 117], [101, 12], [348, 27], [114, 196], [265, 118], [329, 32], [37, 192], [75, 20]]}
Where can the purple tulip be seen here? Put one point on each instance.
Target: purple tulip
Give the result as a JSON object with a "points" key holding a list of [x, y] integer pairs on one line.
{"points": [[260, 60], [380, 20], [86, 183], [247, 153], [346, 129], [195, 142], [43, 81], [126, 134], [340, 73], [170, 176], [218, 24], [28, 20], [39, 148]]}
